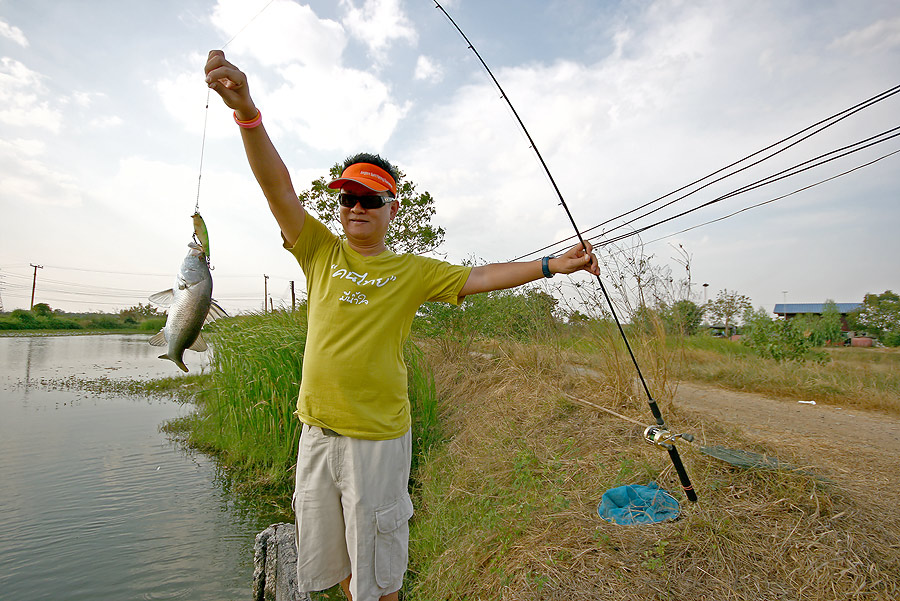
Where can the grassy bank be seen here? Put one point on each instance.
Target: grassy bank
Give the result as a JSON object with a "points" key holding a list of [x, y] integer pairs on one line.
{"points": [[42, 319], [509, 472]]}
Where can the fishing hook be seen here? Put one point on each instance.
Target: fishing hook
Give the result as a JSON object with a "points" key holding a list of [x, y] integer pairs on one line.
{"points": [[654, 408]]}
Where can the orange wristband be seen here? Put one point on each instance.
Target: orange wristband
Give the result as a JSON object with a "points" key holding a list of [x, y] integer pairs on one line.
{"points": [[255, 122]]}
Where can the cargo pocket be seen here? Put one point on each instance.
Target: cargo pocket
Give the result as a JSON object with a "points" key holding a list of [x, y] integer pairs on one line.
{"points": [[392, 541]]}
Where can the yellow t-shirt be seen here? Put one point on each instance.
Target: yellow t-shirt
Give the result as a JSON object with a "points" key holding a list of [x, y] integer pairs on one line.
{"points": [[360, 313]]}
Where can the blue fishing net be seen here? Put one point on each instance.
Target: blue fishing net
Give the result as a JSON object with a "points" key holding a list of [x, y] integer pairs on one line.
{"points": [[636, 504]]}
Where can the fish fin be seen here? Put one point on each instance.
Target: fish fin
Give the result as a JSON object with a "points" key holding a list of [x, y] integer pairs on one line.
{"points": [[164, 298], [159, 339], [199, 344], [215, 312], [177, 362]]}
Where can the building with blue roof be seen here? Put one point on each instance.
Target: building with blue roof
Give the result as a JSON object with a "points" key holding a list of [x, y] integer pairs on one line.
{"points": [[790, 310], [793, 309]]}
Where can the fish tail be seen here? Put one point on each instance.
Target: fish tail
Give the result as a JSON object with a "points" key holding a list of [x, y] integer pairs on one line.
{"points": [[177, 362]]}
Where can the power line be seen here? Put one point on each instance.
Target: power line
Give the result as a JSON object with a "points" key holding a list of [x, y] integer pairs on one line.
{"points": [[749, 187], [770, 179], [771, 200], [828, 122]]}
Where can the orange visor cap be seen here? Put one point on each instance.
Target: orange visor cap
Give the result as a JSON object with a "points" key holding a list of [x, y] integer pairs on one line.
{"points": [[371, 176]]}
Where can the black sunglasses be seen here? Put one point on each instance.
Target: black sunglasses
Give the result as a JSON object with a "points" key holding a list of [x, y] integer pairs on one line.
{"points": [[366, 201]]}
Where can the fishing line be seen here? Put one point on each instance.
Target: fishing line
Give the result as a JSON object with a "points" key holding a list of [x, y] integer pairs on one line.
{"points": [[654, 408], [202, 148], [206, 109], [828, 121]]}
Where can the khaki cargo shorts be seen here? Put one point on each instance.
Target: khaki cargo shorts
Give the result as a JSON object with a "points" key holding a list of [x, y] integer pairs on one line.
{"points": [[352, 509]]}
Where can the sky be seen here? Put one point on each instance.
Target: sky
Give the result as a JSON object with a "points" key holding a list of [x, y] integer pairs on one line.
{"points": [[103, 106]]}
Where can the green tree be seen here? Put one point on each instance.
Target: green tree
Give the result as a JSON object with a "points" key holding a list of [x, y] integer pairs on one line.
{"points": [[879, 316], [42, 309], [140, 312], [830, 324], [683, 317], [780, 340], [411, 230], [727, 306]]}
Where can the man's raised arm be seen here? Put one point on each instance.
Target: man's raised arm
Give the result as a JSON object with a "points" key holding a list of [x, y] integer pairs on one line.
{"points": [[230, 83]]}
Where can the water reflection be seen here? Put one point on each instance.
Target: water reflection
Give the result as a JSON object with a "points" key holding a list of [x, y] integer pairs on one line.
{"points": [[95, 503], [28, 354], [31, 358]]}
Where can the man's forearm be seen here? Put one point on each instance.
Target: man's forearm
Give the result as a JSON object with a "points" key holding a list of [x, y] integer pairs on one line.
{"points": [[274, 180], [265, 162], [499, 276]]}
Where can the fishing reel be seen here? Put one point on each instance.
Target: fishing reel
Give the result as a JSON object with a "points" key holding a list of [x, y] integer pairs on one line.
{"points": [[661, 437]]}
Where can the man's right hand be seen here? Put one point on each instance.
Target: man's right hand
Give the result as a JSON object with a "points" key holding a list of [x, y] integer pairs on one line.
{"points": [[230, 83]]}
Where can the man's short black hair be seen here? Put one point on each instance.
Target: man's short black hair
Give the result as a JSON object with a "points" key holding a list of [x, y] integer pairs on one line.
{"points": [[374, 159]]}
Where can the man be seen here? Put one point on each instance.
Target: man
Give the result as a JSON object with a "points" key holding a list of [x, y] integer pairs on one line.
{"points": [[351, 500]]}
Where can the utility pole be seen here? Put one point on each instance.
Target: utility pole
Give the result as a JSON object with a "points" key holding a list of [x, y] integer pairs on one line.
{"points": [[1, 293], [265, 293], [784, 303], [34, 282], [293, 299]]}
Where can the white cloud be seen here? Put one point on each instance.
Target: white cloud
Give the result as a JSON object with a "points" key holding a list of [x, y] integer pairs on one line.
{"points": [[879, 36], [349, 109], [284, 33], [184, 97], [23, 147], [428, 70], [86, 99], [302, 85], [13, 33], [25, 179], [378, 23], [21, 92], [106, 122]]}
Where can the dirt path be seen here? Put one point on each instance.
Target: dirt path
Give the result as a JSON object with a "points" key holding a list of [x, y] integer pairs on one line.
{"points": [[858, 450]]}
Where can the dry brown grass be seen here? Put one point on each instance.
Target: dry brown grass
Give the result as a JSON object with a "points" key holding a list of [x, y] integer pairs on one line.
{"points": [[507, 509]]}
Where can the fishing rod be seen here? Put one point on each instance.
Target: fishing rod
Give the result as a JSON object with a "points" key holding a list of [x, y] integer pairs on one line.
{"points": [[658, 435]]}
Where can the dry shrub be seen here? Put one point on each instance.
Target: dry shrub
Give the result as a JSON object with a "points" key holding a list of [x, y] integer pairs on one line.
{"points": [[507, 510]]}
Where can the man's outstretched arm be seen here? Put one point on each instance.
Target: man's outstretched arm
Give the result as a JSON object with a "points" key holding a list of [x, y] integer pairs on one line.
{"points": [[499, 276]]}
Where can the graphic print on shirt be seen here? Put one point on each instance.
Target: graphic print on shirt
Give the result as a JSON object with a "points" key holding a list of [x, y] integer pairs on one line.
{"points": [[360, 279]]}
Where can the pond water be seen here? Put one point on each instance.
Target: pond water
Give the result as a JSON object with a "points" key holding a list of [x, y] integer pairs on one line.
{"points": [[95, 502]]}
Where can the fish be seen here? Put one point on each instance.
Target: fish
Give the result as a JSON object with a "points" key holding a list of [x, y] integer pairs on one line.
{"points": [[191, 306]]}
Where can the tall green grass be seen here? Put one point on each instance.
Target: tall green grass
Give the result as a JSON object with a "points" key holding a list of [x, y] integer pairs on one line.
{"points": [[246, 415]]}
